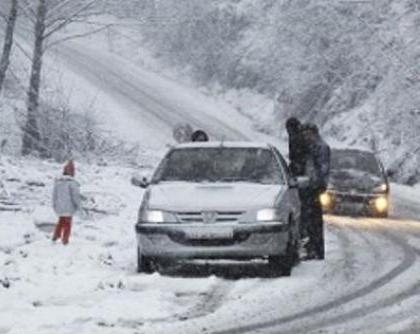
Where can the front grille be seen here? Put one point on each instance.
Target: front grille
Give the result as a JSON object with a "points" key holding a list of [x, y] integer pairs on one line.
{"points": [[209, 217], [351, 198]]}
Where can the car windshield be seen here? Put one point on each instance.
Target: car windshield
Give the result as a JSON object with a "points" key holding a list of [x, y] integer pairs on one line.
{"points": [[355, 160], [220, 164]]}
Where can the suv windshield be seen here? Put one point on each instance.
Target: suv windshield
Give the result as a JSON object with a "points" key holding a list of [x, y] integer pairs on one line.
{"points": [[220, 164], [355, 160]]}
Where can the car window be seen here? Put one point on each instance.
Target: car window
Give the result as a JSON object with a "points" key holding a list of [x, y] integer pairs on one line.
{"points": [[355, 160], [220, 164]]}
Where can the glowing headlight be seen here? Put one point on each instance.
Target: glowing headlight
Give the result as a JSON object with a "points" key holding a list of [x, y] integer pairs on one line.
{"points": [[153, 216], [381, 204], [266, 215], [325, 199]]}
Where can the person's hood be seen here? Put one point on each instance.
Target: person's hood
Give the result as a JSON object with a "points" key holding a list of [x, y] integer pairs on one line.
{"points": [[354, 180], [184, 196], [69, 168]]}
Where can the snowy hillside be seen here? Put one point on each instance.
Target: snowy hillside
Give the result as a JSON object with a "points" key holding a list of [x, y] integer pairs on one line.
{"points": [[349, 66]]}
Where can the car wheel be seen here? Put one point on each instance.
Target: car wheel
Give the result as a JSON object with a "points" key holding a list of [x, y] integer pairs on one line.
{"points": [[144, 264], [283, 264]]}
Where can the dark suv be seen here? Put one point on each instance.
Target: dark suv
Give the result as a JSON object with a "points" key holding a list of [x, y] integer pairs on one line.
{"points": [[358, 184]]}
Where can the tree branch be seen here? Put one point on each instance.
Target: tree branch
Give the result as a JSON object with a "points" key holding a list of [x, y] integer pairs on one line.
{"points": [[65, 39], [70, 19], [27, 10], [58, 6]]}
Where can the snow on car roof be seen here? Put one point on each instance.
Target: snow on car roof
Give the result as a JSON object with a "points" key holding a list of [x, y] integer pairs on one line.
{"points": [[353, 150], [229, 144]]}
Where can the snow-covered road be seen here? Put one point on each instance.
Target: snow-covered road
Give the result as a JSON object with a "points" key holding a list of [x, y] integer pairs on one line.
{"points": [[367, 284], [152, 104]]}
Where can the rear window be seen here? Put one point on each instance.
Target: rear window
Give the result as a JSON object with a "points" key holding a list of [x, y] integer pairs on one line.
{"points": [[355, 160], [220, 164]]}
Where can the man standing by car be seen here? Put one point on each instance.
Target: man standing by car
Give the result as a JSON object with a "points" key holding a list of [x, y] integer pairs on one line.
{"points": [[317, 169], [297, 158], [297, 147]]}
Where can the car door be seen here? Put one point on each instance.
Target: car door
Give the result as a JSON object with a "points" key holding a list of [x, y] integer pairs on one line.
{"points": [[292, 194]]}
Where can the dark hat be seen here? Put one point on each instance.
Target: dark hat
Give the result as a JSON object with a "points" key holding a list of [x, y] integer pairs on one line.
{"points": [[292, 123], [199, 135]]}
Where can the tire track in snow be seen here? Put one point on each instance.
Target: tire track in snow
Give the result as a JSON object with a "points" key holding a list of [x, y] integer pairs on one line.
{"points": [[409, 257], [209, 304], [410, 253], [348, 257], [217, 295]]}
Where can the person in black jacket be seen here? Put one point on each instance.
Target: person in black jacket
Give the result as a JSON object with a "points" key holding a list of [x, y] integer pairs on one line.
{"points": [[317, 169], [297, 147], [297, 161]]}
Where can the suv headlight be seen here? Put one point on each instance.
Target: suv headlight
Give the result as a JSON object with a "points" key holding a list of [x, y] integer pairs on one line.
{"points": [[381, 204], [326, 199], [157, 216], [268, 215]]}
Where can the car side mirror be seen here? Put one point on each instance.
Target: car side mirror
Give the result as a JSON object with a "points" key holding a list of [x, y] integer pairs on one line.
{"points": [[293, 183], [141, 181]]}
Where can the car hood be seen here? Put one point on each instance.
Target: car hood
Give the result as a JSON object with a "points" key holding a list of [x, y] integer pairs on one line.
{"points": [[354, 180], [177, 196]]}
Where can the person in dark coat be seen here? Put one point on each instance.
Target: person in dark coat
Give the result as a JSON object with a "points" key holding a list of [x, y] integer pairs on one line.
{"points": [[199, 136], [317, 169], [297, 147], [297, 158]]}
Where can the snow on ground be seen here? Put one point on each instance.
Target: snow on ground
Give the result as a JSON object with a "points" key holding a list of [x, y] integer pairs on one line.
{"points": [[90, 286]]}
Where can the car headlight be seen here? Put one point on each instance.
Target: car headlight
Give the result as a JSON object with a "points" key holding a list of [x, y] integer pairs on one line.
{"points": [[157, 216], [381, 204], [268, 215], [326, 199]]}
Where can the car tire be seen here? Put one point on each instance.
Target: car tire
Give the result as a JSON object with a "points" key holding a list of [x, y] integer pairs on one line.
{"points": [[283, 264], [145, 265]]}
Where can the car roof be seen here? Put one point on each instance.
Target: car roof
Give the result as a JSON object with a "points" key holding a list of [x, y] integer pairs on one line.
{"points": [[227, 144], [353, 150]]}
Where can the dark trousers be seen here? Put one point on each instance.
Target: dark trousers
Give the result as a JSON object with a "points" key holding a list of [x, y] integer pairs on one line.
{"points": [[312, 221], [63, 229]]}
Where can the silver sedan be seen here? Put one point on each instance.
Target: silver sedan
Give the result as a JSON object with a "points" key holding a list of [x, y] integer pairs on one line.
{"points": [[220, 200]]}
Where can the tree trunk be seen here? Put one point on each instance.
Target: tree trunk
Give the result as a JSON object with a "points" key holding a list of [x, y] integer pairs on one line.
{"points": [[8, 41], [31, 137]]}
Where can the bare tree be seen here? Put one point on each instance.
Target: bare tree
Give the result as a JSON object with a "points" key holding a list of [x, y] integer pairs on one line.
{"points": [[49, 17], [31, 135], [8, 40]]}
